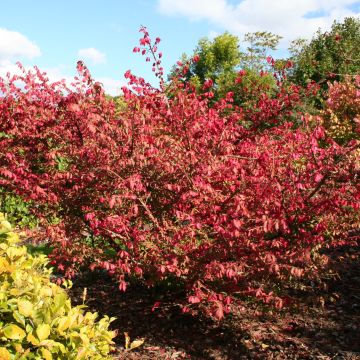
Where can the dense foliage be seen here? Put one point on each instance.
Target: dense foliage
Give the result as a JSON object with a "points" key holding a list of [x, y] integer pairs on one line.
{"points": [[37, 320], [342, 110], [230, 202], [219, 61], [329, 56]]}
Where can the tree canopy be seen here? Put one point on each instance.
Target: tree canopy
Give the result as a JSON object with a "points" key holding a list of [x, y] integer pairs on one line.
{"points": [[220, 60], [329, 55]]}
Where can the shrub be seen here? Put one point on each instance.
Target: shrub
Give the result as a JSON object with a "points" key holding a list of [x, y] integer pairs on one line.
{"points": [[342, 110], [37, 320], [17, 210], [172, 187]]}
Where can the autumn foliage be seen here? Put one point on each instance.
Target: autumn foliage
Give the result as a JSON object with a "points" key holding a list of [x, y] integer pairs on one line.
{"points": [[342, 112], [225, 201]]}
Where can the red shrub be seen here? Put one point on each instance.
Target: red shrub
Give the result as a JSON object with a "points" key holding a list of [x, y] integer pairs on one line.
{"points": [[173, 187]]}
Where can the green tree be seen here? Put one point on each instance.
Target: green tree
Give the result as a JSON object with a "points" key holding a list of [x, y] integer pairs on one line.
{"points": [[259, 45], [329, 55], [221, 59], [217, 58]]}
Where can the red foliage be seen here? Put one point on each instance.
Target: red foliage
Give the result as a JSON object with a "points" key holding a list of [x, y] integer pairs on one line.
{"points": [[173, 187]]}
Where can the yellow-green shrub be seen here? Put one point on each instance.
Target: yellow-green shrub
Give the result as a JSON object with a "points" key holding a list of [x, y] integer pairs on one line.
{"points": [[37, 320]]}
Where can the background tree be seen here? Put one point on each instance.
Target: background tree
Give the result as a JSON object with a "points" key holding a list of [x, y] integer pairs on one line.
{"points": [[219, 69], [329, 56], [217, 59], [260, 43], [221, 59], [256, 71]]}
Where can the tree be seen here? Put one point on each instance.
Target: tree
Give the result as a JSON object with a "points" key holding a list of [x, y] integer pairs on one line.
{"points": [[259, 44], [216, 59], [329, 56], [220, 60]]}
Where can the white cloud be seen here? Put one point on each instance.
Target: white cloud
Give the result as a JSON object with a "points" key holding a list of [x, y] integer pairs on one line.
{"points": [[14, 45], [7, 66], [213, 34], [54, 74], [92, 54], [111, 85], [287, 18]]}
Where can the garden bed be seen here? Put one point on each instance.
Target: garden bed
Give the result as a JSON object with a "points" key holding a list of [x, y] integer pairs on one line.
{"points": [[322, 324]]}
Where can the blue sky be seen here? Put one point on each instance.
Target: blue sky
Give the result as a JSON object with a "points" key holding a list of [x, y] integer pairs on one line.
{"points": [[55, 34]]}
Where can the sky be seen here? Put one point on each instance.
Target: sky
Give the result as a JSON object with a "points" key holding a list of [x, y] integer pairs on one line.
{"points": [[54, 35]]}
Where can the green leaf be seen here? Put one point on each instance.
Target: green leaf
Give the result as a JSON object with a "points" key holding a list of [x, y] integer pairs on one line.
{"points": [[4, 227], [43, 331], [46, 354], [59, 301], [19, 318], [25, 307], [64, 324], [32, 339], [14, 332]]}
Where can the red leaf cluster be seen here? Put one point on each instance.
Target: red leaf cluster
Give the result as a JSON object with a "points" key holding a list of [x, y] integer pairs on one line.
{"points": [[171, 187]]}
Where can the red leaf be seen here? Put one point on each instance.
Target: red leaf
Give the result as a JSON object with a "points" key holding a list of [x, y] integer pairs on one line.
{"points": [[112, 202], [194, 299], [218, 311], [156, 305]]}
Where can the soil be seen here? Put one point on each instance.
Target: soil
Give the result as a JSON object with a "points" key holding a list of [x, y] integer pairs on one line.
{"points": [[323, 323]]}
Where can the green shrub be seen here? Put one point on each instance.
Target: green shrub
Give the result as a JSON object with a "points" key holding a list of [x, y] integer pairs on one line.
{"points": [[37, 320], [17, 210]]}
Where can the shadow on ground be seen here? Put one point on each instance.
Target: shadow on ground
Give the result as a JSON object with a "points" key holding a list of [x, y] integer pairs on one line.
{"points": [[325, 324]]}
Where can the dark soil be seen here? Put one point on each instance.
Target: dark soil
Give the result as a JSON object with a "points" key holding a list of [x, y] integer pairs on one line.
{"points": [[324, 323]]}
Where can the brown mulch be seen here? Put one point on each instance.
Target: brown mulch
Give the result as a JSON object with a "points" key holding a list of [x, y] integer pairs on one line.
{"points": [[324, 324]]}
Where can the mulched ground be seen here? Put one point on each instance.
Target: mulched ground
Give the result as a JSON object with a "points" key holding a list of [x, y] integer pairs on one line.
{"points": [[324, 324]]}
